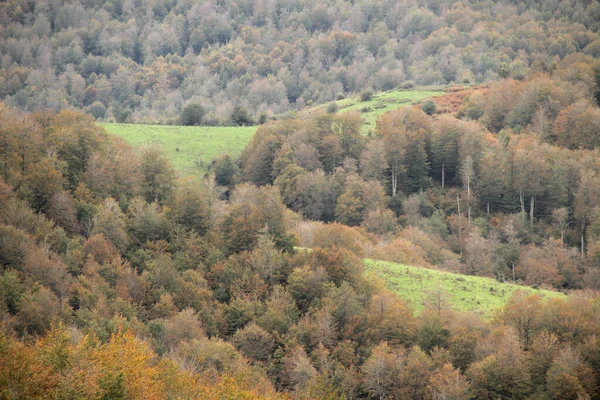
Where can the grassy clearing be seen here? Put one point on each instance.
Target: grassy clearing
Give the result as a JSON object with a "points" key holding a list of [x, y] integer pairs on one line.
{"points": [[189, 148], [466, 293], [382, 102]]}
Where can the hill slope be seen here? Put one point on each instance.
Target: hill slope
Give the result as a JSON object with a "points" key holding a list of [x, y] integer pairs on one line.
{"points": [[189, 148], [145, 60], [465, 292]]}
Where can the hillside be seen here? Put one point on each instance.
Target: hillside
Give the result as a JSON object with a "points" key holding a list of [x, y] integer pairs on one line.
{"points": [[190, 149], [143, 61], [379, 172], [465, 292], [118, 279], [379, 103]]}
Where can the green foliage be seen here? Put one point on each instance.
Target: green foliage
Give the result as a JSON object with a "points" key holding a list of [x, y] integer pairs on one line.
{"points": [[225, 170], [429, 107], [158, 176], [332, 108], [240, 116], [192, 115]]}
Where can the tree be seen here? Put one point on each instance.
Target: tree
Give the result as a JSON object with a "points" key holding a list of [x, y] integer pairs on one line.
{"points": [[158, 176], [190, 206], [467, 173], [254, 342], [522, 312], [585, 200], [502, 374], [405, 133], [225, 170], [192, 115], [381, 370], [389, 319], [373, 162], [577, 125], [560, 222], [448, 384], [240, 116], [444, 150], [350, 208]]}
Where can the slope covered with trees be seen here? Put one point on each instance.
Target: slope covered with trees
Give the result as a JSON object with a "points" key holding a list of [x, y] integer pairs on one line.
{"points": [[212, 62], [508, 189], [122, 279], [119, 279]]}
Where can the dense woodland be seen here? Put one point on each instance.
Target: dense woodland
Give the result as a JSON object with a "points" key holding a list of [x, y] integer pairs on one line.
{"points": [[146, 60], [120, 279]]}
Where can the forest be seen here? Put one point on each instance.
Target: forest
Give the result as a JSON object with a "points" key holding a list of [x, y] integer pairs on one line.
{"points": [[145, 61], [121, 277]]}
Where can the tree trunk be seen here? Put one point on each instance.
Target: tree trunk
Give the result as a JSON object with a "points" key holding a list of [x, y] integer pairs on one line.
{"points": [[531, 208], [394, 181], [522, 200], [443, 175], [459, 219], [469, 199], [513, 272], [488, 208], [583, 240]]}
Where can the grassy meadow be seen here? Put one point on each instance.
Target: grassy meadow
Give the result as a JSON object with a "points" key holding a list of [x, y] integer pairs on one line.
{"points": [[192, 148], [465, 293], [189, 148], [382, 102]]}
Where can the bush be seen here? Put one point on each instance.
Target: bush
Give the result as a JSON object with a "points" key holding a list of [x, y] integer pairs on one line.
{"points": [[240, 116], [97, 109], [407, 85], [429, 107], [192, 115], [332, 108], [366, 95], [263, 118]]}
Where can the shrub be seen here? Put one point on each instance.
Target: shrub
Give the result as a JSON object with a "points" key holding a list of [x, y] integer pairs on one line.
{"points": [[192, 115], [332, 108], [240, 116], [429, 107], [366, 95]]}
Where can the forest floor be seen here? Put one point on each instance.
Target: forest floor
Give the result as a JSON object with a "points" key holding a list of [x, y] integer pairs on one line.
{"points": [[464, 292], [190, 149]]}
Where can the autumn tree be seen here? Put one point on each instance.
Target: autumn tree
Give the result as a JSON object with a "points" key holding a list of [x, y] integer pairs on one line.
{"points": [[158, 175]]}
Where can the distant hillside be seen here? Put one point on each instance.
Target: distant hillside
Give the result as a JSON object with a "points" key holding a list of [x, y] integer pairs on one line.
{"points": [[465, 292], [145, 60]]}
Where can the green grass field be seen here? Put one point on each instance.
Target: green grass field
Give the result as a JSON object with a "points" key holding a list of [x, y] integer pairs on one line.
{"points": [[382, 102], [189, 148], [466, 293]]}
